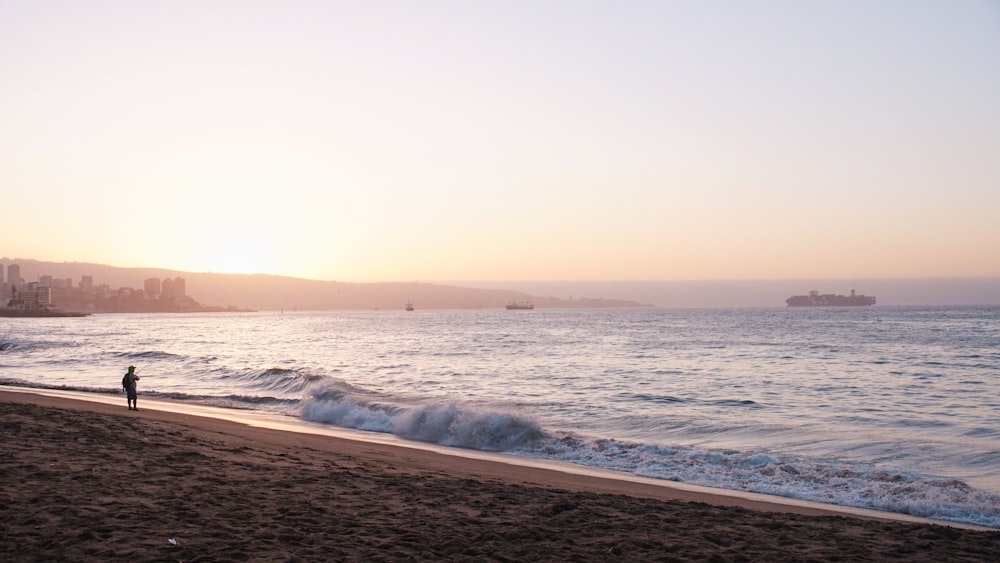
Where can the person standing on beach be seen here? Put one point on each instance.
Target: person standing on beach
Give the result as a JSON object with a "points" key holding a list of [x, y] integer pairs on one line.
{"points": [[128, 382]]}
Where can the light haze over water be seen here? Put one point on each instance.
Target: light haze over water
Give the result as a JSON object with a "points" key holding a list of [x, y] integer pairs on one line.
{"points": [[892, 408]]}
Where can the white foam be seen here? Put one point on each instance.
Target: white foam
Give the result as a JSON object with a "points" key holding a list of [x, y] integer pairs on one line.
{"points": [[956, 516], [857, 485]]}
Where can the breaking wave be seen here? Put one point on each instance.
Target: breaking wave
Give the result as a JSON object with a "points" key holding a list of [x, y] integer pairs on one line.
{"points": [[476, 427]]}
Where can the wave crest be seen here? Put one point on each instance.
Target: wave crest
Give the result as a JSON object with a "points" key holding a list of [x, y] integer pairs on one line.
{"points": [[465, 427], [447, 424]]}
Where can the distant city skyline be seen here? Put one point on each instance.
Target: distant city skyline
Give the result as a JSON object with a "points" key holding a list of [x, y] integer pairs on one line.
{"points": [[509, 141], [54, 290], [269, 292]]}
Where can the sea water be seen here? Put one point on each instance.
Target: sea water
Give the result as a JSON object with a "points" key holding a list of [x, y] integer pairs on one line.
{"points": [[889, 408]]}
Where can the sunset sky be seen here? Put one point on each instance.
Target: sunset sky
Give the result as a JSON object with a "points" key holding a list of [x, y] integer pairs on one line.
{"points": [[504, 140]]}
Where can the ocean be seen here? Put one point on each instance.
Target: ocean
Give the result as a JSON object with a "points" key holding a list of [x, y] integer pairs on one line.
{"points": [[887, 408]]}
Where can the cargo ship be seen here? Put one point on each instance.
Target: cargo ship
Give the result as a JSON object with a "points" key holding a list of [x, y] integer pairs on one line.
{"points": [[815, 299], [520, 306]]}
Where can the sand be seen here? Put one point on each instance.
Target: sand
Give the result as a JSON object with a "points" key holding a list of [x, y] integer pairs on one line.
{"points": [[85, 481]]}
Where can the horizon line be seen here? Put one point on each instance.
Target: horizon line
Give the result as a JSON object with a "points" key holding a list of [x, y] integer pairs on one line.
{"points": [[523, 280]]}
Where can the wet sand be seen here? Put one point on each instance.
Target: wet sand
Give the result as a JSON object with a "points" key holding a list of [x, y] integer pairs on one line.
{"points": [[85, 481]]}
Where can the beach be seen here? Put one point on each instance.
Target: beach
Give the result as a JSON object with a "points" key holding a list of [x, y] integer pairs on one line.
{"points": [[88, 481]]}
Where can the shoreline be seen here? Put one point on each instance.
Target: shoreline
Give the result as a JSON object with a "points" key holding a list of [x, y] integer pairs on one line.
{"points": [[436, 457], [88, 480]]}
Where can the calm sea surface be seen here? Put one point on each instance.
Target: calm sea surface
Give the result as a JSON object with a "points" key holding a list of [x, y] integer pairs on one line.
{"points": [[891, 408]]}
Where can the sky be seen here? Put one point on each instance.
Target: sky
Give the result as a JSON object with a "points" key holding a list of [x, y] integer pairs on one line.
{"points": [[504, 140]]}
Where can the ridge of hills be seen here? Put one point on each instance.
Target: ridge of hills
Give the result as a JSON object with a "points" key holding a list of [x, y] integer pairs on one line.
{"points": [[272, 292]]}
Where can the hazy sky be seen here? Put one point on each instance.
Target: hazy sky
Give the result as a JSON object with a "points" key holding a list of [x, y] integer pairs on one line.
{"points": [[504, 140]]}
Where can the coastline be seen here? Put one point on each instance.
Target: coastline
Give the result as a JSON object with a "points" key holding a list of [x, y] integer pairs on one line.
{"points": [[90, 480]]}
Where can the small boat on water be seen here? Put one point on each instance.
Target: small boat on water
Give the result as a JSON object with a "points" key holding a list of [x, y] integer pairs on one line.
{"points": [[409, 306], [520, 306]]}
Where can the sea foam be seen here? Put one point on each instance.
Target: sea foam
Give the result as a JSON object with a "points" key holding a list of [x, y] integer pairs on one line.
{"points": [[860, 485]]}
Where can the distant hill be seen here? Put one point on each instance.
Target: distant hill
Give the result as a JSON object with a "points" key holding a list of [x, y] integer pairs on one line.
{"points": [[268, 292], [772, 293]]}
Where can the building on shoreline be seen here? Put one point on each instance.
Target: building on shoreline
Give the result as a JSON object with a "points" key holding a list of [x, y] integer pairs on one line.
{"points": [[168, 296]]}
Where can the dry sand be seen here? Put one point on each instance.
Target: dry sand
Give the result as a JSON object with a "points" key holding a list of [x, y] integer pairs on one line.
{"points": [[84, 481]]}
